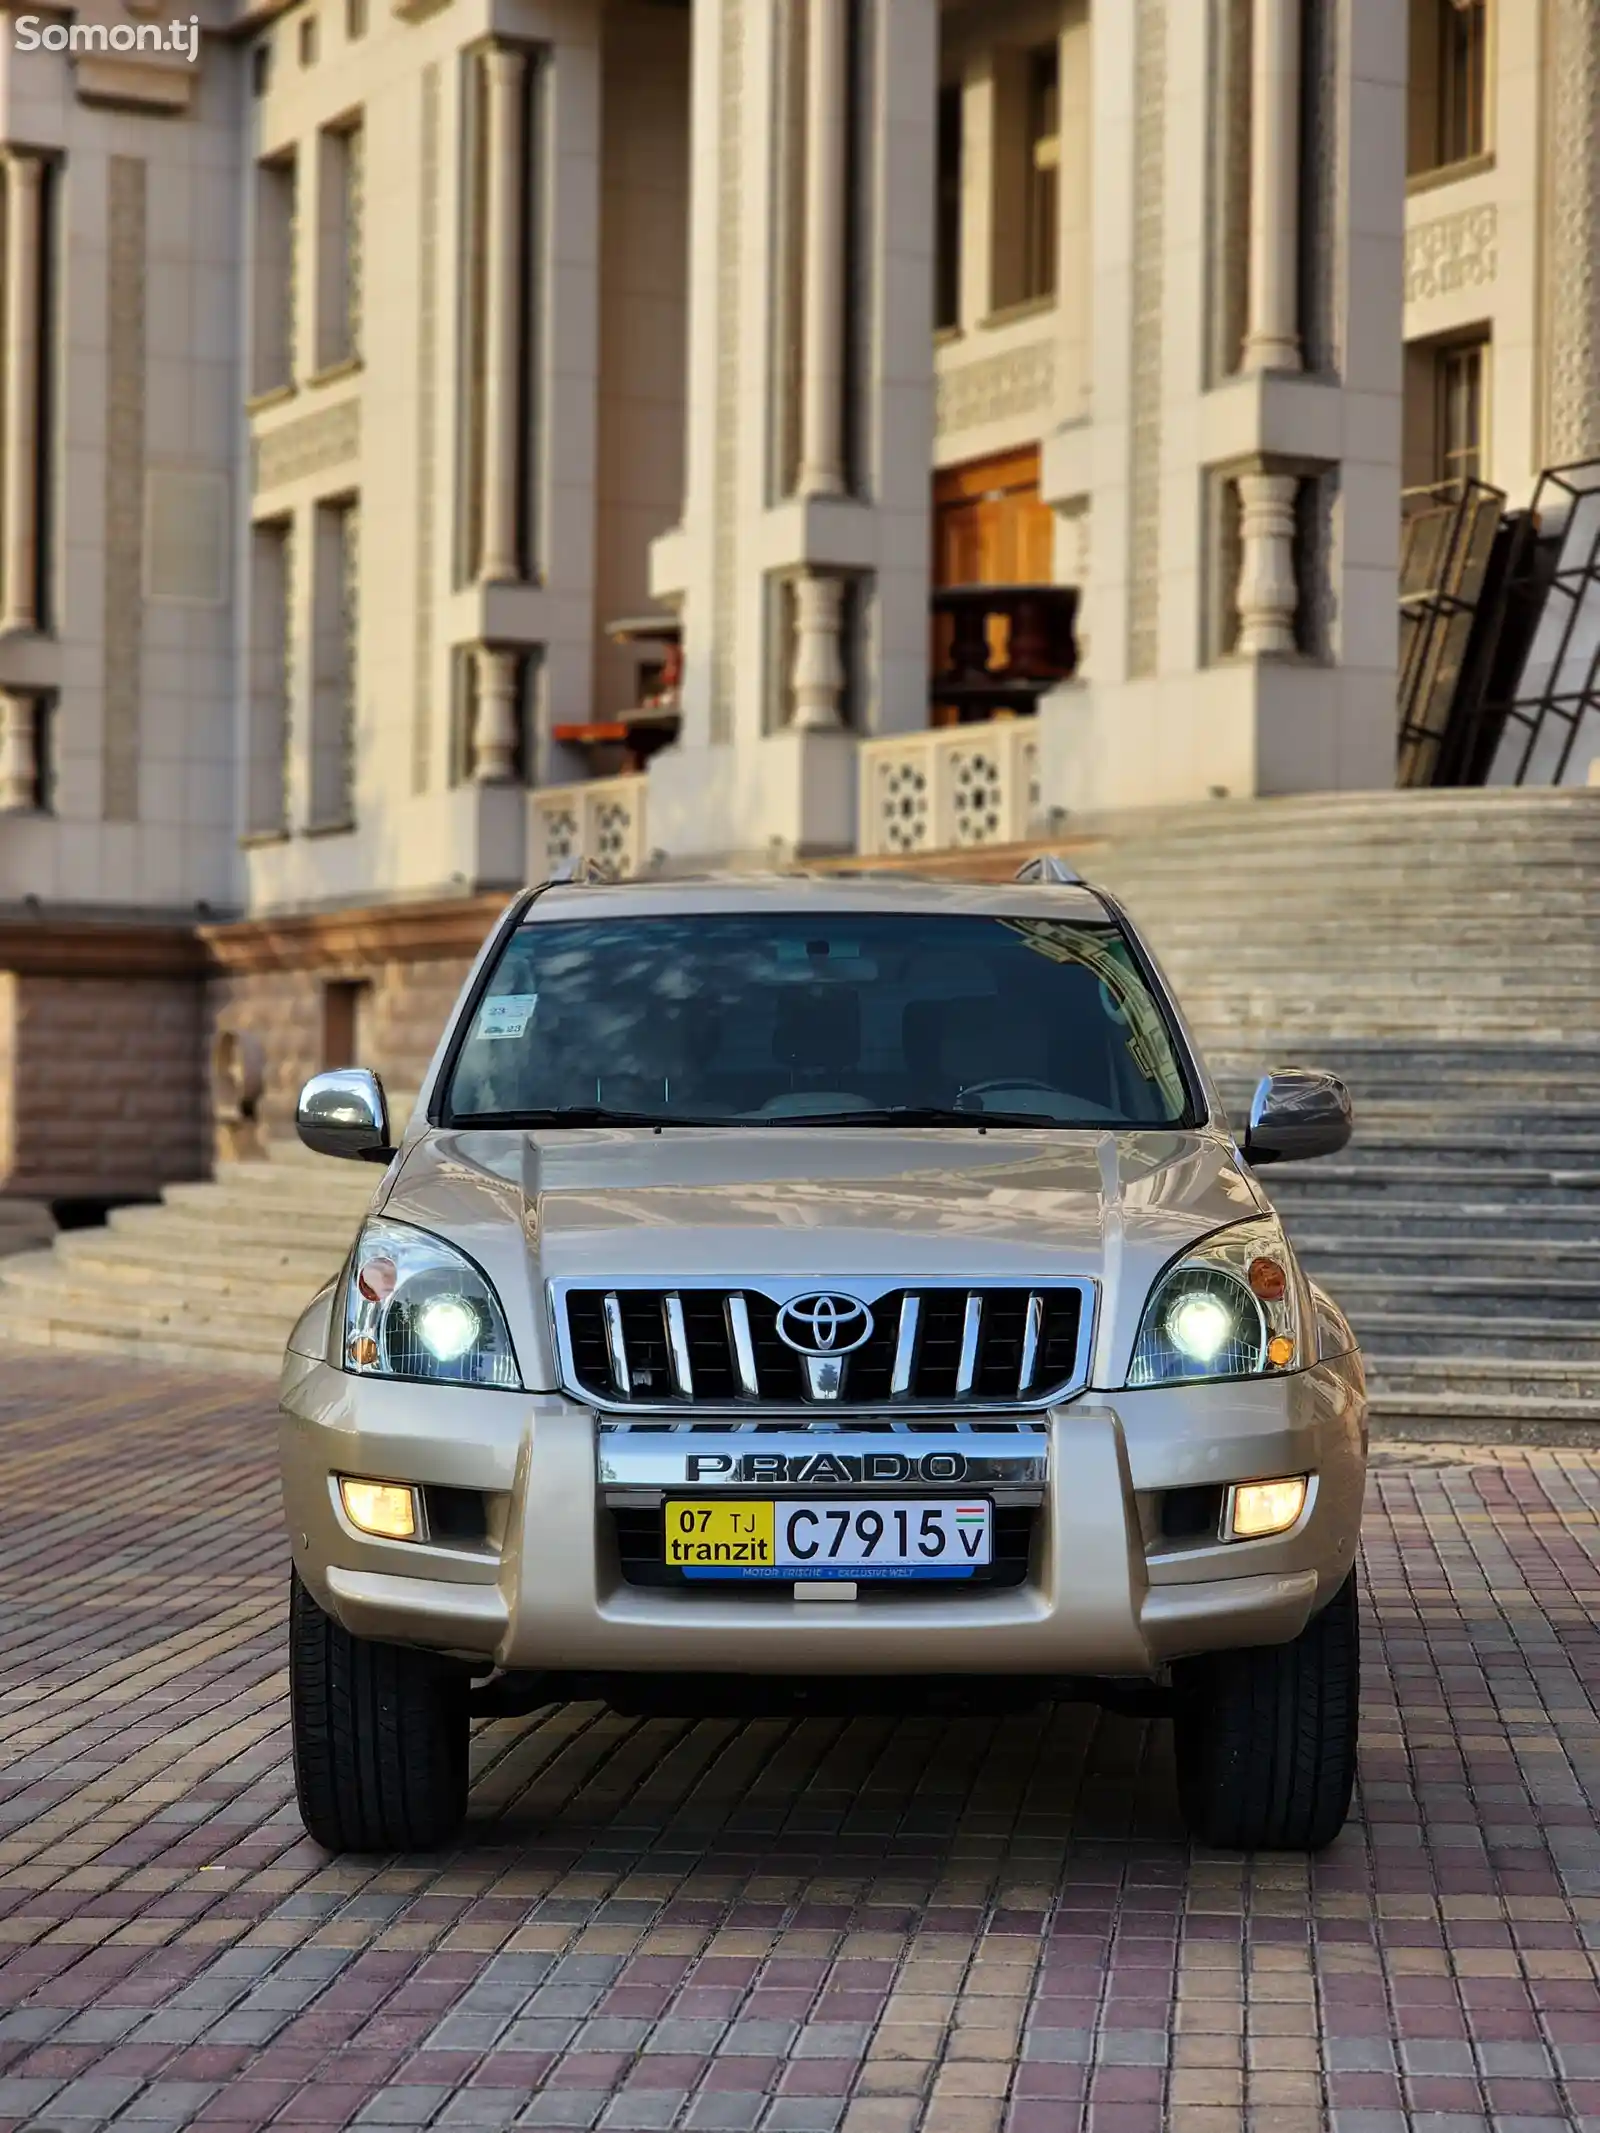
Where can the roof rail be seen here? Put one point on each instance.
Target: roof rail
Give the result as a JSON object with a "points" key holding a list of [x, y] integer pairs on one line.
{"points": [[580, 869], [1048, 868]]}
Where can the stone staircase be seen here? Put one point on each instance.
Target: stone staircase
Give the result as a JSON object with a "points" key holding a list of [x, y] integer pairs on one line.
{"points": [[1440, 950], [214, 1275], [25, 1226]]}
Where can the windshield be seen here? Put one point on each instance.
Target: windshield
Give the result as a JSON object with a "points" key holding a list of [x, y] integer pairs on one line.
{"points": [[805, 1020]]}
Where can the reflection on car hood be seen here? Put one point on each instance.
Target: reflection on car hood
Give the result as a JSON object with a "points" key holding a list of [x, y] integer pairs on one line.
{"points": [[706, 1207]]}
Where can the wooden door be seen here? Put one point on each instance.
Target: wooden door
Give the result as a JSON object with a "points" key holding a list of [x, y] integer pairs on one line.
{"points": [[989, 528]]}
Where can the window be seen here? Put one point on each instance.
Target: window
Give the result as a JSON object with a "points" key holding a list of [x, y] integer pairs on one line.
{"points": [[947, 299], [271, 637], [308, 41], [1043, 172], [277, 212], [355, 19], [336, 627], [1460, 380], [340, 216], [820, 1019], [1449, 83]]}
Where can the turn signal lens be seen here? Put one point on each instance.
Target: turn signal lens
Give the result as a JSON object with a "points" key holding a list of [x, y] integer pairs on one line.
{"points": [[1268, 1280], [376, 1279], [1263, 1507], [1280, 1350], [387, 1508]]}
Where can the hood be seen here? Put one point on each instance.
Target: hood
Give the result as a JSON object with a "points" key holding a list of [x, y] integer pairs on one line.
{"points": [[706, 1207]]}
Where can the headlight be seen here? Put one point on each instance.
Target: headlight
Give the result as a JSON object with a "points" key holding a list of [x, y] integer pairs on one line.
{"points": [[1234, 1307], [415, 1307]]}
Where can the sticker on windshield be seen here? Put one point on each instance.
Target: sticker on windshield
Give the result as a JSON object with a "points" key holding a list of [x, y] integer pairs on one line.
{"points": [[507, 1016]]}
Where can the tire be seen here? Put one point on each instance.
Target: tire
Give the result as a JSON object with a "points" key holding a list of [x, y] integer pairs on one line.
{"points": [[1266, 1739], [380, 1737]]}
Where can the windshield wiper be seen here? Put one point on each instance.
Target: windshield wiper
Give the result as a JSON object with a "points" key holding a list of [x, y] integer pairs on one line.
{"points": [[571, 1115], [916, 1115]]}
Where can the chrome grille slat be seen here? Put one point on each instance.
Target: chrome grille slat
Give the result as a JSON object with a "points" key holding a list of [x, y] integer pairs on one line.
{"points": [[617, 1345], [1030, 1342], [971, 1326], [744, 1353], [905, 1346], [936, 1346], [678, 1346]]}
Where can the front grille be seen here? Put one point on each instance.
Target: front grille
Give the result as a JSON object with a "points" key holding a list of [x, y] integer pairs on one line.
{"points": [[641, 1552], [935, 1345]]}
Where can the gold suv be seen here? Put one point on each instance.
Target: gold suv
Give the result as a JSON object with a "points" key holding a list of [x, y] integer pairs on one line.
{"points": [[815, 1292]]}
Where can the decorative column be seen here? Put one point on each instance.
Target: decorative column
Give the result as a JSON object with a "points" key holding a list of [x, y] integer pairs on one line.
{"points": [[19, 753], [1272, 339], [497, 734], [1268, 593], [1571, 262], [818, 662], [504, 70], [827, 112], [24, 183]]}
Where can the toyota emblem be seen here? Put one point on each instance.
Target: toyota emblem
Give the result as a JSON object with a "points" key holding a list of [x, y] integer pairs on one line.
{"points": [[824, 1325]]}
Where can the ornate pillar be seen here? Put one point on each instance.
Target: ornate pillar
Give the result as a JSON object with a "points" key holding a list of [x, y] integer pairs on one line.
{"points": [[497, 734], [1272, 338], [1571, 323], [19, 753], [504, 71], [24, 176], [818, 660], [1268, 592], [827, 111]]}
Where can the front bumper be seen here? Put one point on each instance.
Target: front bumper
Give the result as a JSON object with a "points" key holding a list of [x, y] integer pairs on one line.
{"points": [[1104, 1593]]}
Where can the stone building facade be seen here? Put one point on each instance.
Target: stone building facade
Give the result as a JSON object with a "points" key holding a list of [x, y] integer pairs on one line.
{"points": [[364, 373]]}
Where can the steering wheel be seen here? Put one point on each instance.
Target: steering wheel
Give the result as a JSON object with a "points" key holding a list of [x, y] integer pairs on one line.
{"points": [[1026, 1081], [1009, 1081]]}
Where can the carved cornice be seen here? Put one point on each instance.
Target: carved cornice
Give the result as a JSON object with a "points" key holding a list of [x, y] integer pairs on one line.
{"points": [[436, 931], [1018, 382], [332, 940], [89, 948], [1452, 252]]}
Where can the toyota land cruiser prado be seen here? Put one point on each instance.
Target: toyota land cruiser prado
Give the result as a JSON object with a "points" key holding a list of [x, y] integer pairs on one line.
{"points": [[818, 1287]]}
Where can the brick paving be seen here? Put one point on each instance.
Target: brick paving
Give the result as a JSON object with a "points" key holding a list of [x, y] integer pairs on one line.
{"points": [[887, 1926]]}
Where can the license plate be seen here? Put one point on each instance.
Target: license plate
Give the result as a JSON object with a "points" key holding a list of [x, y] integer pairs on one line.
{"points": [[877, 1537]]}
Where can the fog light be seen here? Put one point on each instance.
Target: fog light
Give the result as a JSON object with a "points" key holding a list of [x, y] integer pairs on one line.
{"points": [[1262, 1507], [387, 1508]]}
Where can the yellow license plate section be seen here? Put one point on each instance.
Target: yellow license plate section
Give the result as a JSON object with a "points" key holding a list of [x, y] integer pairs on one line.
{"points": [[719, 1536]]}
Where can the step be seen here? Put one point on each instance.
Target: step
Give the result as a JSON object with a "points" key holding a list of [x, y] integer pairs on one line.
{"points": [[1426, 1221], [109, 1333], [35, 1286], [1535, 1259], [1573, 1299], [100, 1255], [1420, 1179], [1413, 1335], [235, 1227], [1483, 1377], [1442, 1414]]}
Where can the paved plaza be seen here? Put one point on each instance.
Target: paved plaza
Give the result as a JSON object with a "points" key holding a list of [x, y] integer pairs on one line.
{"points": [[918, 1926]]}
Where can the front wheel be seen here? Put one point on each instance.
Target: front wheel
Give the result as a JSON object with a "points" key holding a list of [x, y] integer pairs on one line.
{"points": [[380, 1737], [1266, 1739]]}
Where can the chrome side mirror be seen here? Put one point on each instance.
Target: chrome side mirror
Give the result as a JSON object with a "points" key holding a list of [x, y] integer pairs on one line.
{"points": [[345, 1113], [1297, 1113]]}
